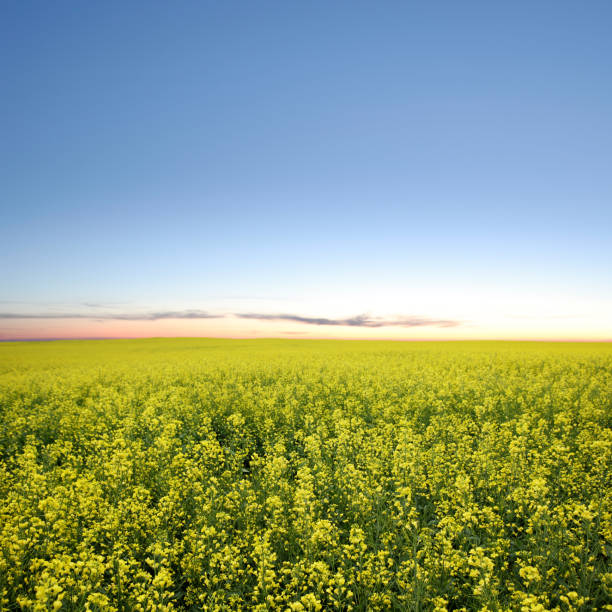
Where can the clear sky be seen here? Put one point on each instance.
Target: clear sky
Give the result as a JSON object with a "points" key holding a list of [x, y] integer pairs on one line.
{"points": [[306, 169]]}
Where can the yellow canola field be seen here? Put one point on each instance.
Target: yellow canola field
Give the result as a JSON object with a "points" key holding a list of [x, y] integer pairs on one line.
{"points": [[203, 474]]}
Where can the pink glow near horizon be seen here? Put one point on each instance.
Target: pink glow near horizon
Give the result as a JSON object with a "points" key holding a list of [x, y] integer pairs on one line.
{"points": [[28, 329]]}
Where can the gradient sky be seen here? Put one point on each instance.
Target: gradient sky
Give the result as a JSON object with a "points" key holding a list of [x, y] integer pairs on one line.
{"points": [[330, 169]]}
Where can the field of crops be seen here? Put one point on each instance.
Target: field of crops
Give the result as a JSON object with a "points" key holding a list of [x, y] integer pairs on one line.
{"points": [[305, 475]]}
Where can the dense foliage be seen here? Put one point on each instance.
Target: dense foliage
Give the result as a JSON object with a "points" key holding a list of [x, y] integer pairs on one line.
{"points": [[305, 475]]}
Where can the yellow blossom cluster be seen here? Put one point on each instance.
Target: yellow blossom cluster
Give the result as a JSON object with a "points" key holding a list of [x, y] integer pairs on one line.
{"points": [[204, 474]]}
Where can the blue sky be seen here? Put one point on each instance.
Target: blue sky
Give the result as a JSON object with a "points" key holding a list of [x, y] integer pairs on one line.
{"points": [[439, 161]]}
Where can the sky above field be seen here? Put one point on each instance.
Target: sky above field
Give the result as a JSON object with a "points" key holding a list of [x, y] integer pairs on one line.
{"points": [[397, 170]]}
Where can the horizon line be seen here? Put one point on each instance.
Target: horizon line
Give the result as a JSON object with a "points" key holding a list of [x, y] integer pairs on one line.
{"points": [[320, 338]]}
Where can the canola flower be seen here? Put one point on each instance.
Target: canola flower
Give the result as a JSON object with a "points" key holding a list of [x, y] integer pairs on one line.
{"points": [[305, 475]]}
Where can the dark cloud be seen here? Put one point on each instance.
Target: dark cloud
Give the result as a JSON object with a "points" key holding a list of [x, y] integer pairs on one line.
{"points": [[169, 314], [357, 321], [149, 316]]}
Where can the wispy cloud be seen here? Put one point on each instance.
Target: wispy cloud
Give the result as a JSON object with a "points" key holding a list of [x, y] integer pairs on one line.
{"points": [[356, 321], [147, 316], [547, 316], [104, 304]]}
